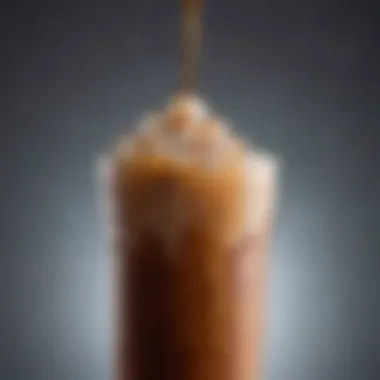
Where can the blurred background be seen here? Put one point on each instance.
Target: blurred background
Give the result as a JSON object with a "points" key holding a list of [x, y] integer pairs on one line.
{"points": [[299, 77]]}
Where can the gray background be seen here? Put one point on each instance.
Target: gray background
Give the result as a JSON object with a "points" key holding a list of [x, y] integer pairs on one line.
{"points": [[301, 77]]}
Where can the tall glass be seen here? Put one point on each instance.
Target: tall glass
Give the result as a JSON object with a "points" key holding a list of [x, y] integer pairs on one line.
{"points": [[192, 254]]}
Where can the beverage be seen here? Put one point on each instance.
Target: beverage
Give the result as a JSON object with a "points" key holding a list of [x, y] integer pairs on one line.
{"points": [[193, 216]]}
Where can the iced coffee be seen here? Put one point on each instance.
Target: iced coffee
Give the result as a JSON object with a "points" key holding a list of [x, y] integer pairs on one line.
{"points": [[193, 209]]}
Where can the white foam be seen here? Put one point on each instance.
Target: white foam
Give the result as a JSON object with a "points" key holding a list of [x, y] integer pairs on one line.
{"points": [[193, 104]]}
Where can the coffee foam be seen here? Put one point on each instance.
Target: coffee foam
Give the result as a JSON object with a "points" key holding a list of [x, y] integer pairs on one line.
{"points": [[183, 167], [185, 130]]}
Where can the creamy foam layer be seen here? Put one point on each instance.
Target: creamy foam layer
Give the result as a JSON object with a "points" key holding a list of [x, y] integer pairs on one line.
{"points": [[187, 131], [184, 168]]}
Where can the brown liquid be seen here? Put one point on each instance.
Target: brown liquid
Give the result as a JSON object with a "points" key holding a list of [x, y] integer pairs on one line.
{"points": [[192, 280]]}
